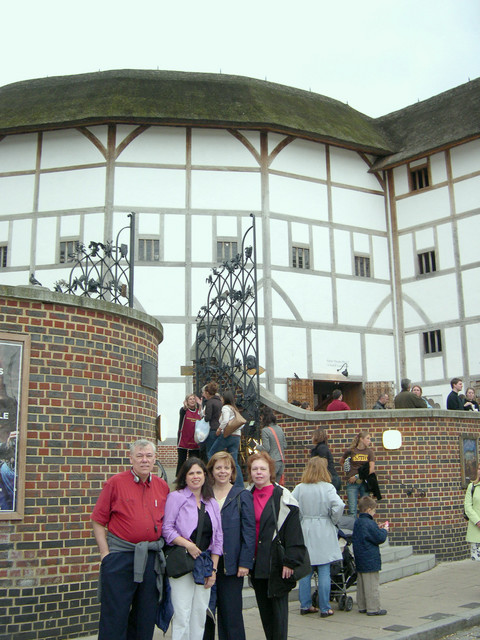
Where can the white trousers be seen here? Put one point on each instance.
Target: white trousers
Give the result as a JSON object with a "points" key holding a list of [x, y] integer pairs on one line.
{"points": [[190, 602]]}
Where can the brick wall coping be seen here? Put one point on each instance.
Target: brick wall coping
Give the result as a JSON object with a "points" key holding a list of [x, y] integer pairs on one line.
{"points": [[42, 294]]}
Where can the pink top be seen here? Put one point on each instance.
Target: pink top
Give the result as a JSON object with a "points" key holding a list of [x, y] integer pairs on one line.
{"points": [[260, 499]]}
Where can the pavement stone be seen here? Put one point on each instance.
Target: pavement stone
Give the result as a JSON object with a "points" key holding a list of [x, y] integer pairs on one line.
{"points": [[425, 606]]}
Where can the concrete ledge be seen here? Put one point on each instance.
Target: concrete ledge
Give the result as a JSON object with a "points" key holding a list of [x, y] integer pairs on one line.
{"points": [[437, 629]]}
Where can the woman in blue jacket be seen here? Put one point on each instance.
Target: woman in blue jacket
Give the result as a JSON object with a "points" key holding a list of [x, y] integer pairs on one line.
{"points": [[238, 524]]}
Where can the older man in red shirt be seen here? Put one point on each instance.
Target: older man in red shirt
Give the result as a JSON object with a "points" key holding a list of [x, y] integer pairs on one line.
{"points": [[127, 524]]}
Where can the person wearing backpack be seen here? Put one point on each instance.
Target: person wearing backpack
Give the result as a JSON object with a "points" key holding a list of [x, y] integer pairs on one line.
{"points": [[472, 511]]}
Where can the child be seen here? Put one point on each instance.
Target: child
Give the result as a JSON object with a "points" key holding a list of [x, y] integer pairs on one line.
{"points": [[367, 536]]}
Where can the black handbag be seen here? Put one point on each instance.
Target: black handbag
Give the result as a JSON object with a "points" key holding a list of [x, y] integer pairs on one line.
{"points": [[178, 561], [301, 570]]}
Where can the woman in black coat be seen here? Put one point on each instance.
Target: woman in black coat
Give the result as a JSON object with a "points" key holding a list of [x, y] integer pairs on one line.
{"points": [[321, 450]]}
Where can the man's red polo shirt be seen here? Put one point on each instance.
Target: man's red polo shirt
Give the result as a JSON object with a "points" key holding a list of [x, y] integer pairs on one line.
{"points": [[132, 510]]}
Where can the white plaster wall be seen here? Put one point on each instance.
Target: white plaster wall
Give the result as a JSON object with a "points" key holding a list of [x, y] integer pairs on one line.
{"points": [[470, 285], [93, 227], [46, 252], [331, 347], [358, 209], [18, 153], [16, 194], [19, 248], [83, 188], [465, 159], [148, 223], [423, 207], [279, 249], [361, 242], [174, 238], [227, 227], [467, 195], [384, 319], [433, 367], [171, 353], [445, 254], [200, 288], [202, 245], [473, 344], [146, 187], [453, 350], [321, 249], [469, 235], [400, 179], [381, 264], [296, 362], [413, 315], [217, 148], [311, 294], [169, 403], [358, 299], [380, 357], [69, 226], [424, 239], [347, 167], [226, 190], [300, 233], [343, 252], [154, 290], [68, 147], [406, 255], [280, 308], [298, 197], [429, 294], [303, 158], [4, 230], [414, 356], [156, 145], [101, 132], [438, 168]]}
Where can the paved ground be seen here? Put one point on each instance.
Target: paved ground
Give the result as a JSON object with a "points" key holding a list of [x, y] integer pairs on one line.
{"points": [[423, 607]]}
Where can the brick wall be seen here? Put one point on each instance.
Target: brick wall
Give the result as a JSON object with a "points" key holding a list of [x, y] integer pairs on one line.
{"points": [[85, 406]]}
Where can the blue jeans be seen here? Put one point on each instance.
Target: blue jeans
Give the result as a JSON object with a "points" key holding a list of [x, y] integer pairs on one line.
{"points": [[354, 492], [305, 588], [232, 445]]}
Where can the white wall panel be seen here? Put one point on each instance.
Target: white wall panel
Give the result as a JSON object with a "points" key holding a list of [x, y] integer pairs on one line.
{"points": [[467, 194], [298, 197], [303, 158], [226, 190], [465, 159], [452, 345], [227, 226], [400, 177], [426, 206], [358, 209], [469, 235], [445, 255], [424, 239], [154, 287], [201, 238], [321, 249], [381, 264], [66, 148], [470, 283], [430, 295], [4, 230], [433, 367], [473, 342], [438, 168], [170, 399], [343, 252], [72, 189], [16, 194], [18, 153], [412, 316], [358, 299], [332, 347], [280, 308], [407, 257], [156, 145], [300, 233], [20, 245], [296, 339], [46, 252], [216, 148], [309, 293], [384, 320], [414, 356], [174, 238], [279, 249], [142, 187], [93, 227], [69, 226], [101, 132], [199, 288], [361, 242], [148, 223], [380, 355], [171, 355], [347, 167]]}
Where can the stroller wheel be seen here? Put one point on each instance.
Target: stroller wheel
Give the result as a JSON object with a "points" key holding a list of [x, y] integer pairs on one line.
{"points": [[348, 603], [341, 602]]}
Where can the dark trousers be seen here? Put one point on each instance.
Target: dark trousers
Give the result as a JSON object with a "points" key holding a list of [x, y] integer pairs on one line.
{"points": [[183, 454], [229, 607], [273, 611], [128, 608]]}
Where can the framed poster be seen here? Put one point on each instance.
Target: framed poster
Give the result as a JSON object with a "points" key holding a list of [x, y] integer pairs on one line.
{"points": [[468, 457], [14, 377]]}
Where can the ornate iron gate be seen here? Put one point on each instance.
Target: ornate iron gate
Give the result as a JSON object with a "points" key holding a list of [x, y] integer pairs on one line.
{"points": [[226, 348]]}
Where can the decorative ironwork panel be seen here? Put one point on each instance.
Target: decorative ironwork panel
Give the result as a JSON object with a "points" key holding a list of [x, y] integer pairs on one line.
{"points": [[103, 270], [226, 348]]}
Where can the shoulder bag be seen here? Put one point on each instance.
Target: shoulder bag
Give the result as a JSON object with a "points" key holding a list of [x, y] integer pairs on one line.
{"points": [[234, 423], [179, 561], [300, 571]]}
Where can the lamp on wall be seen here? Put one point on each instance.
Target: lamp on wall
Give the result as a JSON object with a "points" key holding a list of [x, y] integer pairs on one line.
{"points": [[345, 370]]}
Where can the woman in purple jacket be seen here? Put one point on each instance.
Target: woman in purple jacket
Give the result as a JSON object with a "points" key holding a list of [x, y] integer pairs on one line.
{"points": [[182, 510]]}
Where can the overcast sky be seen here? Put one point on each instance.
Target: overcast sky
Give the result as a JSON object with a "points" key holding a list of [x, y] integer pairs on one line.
{"points": [[377, 55]]}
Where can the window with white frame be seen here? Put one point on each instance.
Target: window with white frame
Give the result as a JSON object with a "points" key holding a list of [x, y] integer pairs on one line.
{"points": [[226, 249], [432, 342], [300, 257], [68, 251], [427, 262], [362, 266], [148, 250], [3, 255]]}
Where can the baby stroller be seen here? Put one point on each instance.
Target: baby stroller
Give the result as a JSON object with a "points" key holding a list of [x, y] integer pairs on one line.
{"points": [[343, 573]]}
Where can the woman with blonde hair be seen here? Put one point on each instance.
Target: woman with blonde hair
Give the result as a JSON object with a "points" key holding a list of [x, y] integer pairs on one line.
{"points": [[320, 510], [359, 453]]}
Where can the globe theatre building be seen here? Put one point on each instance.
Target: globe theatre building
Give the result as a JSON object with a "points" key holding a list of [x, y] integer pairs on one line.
{"points": [[367, 229]]}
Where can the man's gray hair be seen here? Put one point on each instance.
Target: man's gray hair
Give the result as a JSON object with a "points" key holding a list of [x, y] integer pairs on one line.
{"points": [[405, 384], [142, 444]]}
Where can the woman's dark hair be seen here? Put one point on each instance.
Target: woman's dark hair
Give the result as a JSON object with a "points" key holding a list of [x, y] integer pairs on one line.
{"points": [[228, 398], [319, 435], [268, 417], [181, 479]]}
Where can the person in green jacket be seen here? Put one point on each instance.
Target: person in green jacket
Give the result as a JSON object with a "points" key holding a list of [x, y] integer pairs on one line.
{"points": [[472, 511]]}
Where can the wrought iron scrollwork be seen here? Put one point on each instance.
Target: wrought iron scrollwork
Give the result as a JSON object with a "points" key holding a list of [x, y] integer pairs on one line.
{"points": [[103, 270], [226, 348]]}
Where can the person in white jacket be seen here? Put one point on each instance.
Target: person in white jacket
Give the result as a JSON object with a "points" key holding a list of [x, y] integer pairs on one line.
{"points": [[320, 510]]}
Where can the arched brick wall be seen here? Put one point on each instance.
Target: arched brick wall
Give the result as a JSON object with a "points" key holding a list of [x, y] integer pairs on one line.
{"points": [[86, 405]]}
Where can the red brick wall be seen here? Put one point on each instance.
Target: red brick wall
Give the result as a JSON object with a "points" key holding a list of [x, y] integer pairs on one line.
{"points": [[85, 406]]}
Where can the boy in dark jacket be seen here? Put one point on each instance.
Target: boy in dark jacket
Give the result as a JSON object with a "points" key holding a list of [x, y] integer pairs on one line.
{"points": [[367, 536]]}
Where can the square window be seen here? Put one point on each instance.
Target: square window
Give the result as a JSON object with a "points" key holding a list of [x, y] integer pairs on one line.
{"points": [[226, 250], [427, 262], [3, 256], [68, 251], [419, 178], [300, 257], [432, 342], [148, 250], [362, 266]]}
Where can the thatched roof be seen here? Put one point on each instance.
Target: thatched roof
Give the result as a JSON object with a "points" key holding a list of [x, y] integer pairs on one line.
{"points": [[433, 124], [171, 97]]}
